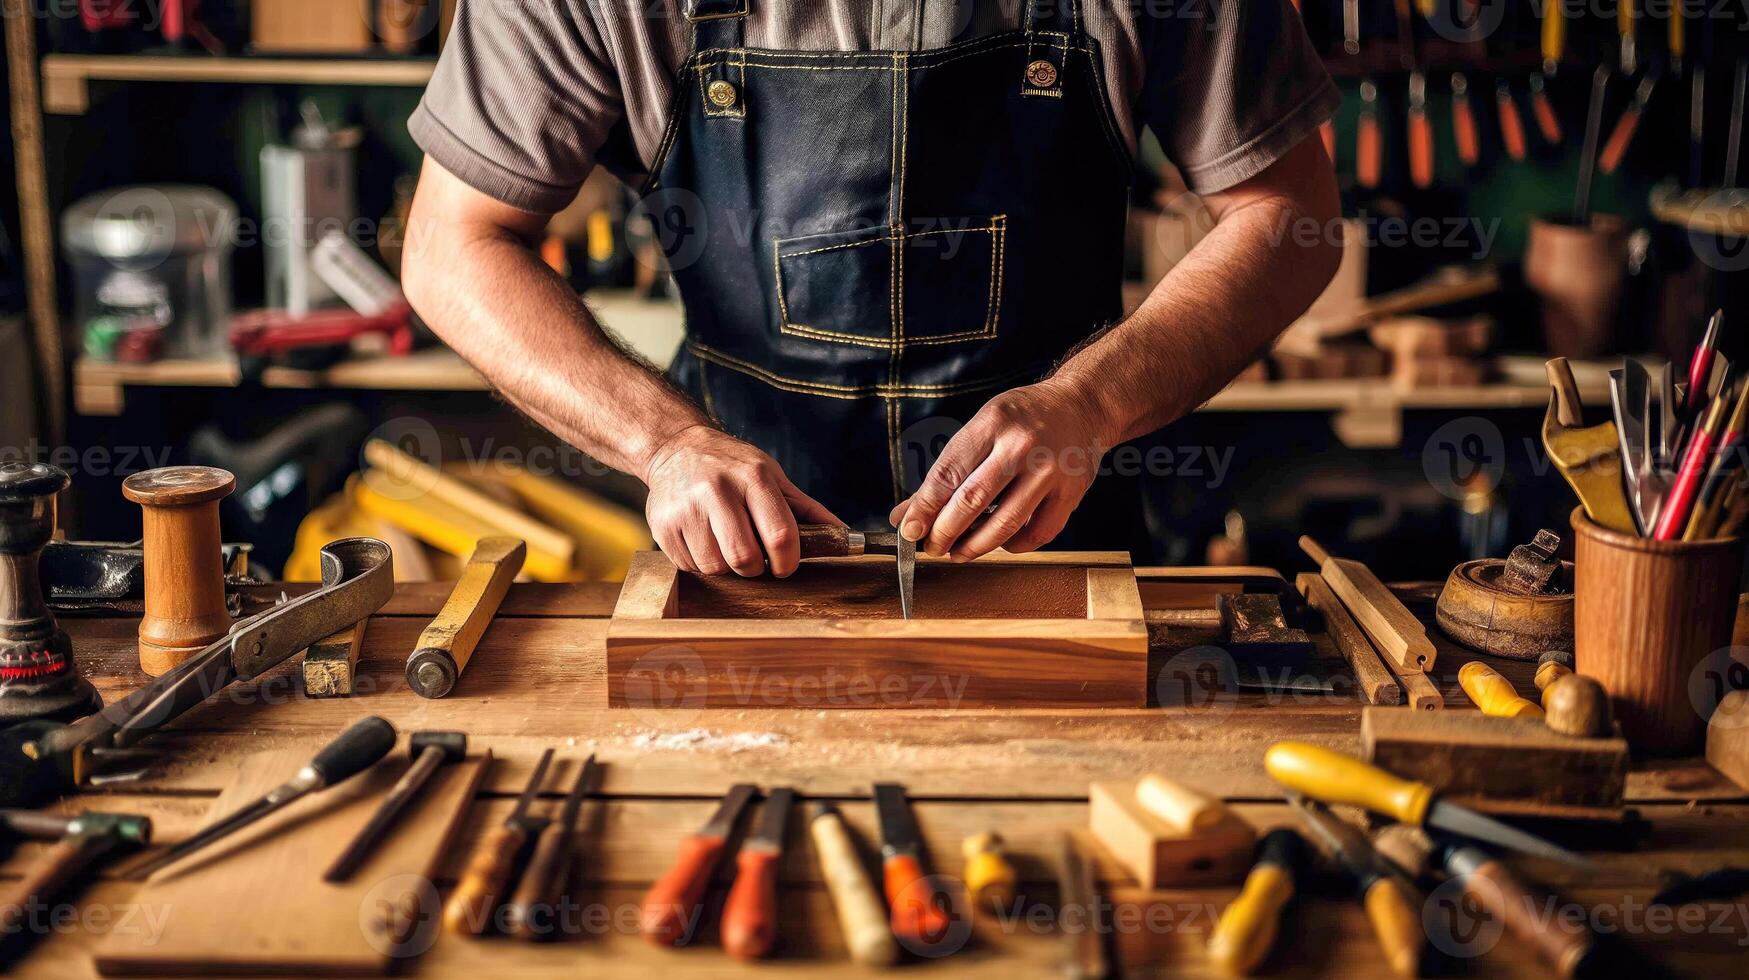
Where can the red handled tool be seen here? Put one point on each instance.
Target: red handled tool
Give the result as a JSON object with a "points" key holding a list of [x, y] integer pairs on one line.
{"points": [[749, 927], [916, 908], [671, 905]]}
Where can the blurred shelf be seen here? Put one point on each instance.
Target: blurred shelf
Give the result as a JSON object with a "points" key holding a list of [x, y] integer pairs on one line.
{"points": [[66, 77]]}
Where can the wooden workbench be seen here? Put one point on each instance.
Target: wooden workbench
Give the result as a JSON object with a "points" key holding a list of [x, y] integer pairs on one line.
{"points": [[537, 680]]}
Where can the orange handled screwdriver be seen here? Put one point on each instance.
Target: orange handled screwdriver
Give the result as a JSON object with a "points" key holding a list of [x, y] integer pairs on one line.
{"points": [[916, 908], [672, 903], [749, 927], [1511, 123]]}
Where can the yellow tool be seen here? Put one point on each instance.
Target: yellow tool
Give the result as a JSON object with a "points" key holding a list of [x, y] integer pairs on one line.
{"points": [[1554, 38], [448, 643], [1589, 458], [1391, 903], [1624, 25], [1493, 693], [990, 879], [1333, 778], [1551, 667], [1179, 805], [1248, 927]]}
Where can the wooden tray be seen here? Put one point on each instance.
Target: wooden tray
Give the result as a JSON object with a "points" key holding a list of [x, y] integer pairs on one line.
{"points": [[1046, 629]]}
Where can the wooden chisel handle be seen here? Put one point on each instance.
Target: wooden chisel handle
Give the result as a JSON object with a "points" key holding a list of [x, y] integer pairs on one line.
{"points": [[43, 885], [916, 914], [447, 644], [1330, 777], [470, 907], [749, 926], [826, 541], [1395, 914], [671, 905], [1493, 693], [543, 881], [1563, 945], [860, 915]]}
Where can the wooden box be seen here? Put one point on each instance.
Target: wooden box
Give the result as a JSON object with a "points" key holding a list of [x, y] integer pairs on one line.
{"points": [[1062, 628], [1161, 855]]}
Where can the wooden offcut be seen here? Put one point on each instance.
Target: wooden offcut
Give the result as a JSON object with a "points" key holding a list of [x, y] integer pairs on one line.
{"points": [[330, 663], [1727, 738], [1393, 629], [1162, 854], [254, 903], [1057, 628], [1514, 765], [1377, 684]]}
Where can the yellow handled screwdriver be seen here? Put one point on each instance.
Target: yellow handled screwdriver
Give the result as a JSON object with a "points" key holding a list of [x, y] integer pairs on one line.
{"points": [[1331, 777], [1248, 927], [1391, 903]]}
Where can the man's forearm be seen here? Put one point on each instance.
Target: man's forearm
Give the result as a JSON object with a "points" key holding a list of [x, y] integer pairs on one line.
{"points": [[491, 299], [1213, 314]]}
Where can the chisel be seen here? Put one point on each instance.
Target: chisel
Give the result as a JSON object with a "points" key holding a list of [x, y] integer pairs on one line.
{"points": [[430, 750], [1570, 951], [470, 907], [671, 905], [357, 749], [1391, 904], [1493, 693], [861, 917], [916, 906], [1333, 778], [749, 926], [830, 541], [543, 880], [1080, 916], [1247, 928]]}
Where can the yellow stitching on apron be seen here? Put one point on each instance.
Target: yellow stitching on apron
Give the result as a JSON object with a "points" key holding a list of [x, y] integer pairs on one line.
{"points": [[1003, 39], [856, 392], [929, 63], [895, 284]]}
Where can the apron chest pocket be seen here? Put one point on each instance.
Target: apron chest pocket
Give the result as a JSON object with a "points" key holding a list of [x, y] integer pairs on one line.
{"points": [[839, 287]]}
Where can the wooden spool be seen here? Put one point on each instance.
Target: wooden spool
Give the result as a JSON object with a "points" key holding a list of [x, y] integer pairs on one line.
{"points": [[1476, 611], [1646, 613], [185, 574]]}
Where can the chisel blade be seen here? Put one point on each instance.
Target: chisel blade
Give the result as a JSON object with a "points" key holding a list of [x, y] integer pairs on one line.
{"points": [[1458, 820], [768, 833], [899, 834], [723, 821], [904, 554]]}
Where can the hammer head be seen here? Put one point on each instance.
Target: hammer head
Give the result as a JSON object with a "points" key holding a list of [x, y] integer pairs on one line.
{"points": [[127, 828], [453, 745]]}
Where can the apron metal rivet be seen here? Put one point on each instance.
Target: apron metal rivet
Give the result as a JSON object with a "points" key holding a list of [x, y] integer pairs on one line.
{"points": [[722, 94], [1041, 73]]}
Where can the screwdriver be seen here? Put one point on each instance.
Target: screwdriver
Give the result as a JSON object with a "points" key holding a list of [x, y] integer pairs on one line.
{"points": [[1571, 950], [483, 882], [543, 882], [1333, 778], [1391, 904], [749, 926], [1247, 928], [671, 904], [913, 901], [355, 750]]}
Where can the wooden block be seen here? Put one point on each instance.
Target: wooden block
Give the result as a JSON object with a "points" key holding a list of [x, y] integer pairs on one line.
{"points": [[1727, 738], [255, 903], [1412, 336], [1419, 691], [1161, 855], [1393, 629], [329, 663], [1472, 758], [1377, 684], [1435, 370], [336, 26], [1039, 630]]}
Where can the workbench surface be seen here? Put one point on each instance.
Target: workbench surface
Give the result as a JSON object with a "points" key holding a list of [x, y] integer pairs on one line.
{"points": [[537, 681]]}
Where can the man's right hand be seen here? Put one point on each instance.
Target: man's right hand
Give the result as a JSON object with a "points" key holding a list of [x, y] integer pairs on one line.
{"points": [[719, 504]]}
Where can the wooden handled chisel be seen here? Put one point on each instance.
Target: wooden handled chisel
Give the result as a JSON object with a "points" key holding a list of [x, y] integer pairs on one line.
{"points": [[1391, 904], [671, 905], [1249, 925], [917, 909], [1333, 778], [861, 917], [534, 906], [487, 876], [830, 541], [1493, 693], [447, 644], [749, 926]]}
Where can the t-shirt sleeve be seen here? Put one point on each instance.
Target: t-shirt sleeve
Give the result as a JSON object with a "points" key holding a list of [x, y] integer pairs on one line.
{"points": [[522, 98], [1230, 91]]}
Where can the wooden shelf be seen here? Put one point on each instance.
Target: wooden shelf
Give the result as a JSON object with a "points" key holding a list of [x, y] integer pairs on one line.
{"points": [[67, 77]]}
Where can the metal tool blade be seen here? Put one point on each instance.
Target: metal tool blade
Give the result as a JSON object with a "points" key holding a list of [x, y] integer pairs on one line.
{"points": [[723, 821], [1342, 840], [899, 834], [773, 819], [519, 815], [1458, 820], [907, 562], [1626, 432], [586, 777]]}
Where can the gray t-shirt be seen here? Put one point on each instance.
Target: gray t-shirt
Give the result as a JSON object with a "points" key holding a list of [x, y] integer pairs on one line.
{"points": [[530, 94]]}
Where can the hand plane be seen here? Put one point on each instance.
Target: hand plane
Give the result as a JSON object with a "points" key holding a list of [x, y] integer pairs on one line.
{"points": [[828, 541]]}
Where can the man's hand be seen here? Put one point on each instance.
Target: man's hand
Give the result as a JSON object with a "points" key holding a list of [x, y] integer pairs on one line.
{"points": [[1032, 452], [717, 503]]}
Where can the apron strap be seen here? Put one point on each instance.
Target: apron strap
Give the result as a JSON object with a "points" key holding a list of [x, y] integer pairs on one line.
{"points": [[1052, 27], [719, 27]]}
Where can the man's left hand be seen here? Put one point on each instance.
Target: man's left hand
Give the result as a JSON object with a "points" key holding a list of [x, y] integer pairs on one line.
{"points": [[1032, 452]]}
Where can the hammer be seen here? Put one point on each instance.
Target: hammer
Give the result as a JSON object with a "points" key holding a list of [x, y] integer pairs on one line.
{"points": [[80, 842], [429, 751]]}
